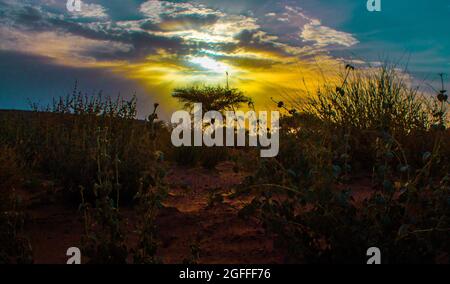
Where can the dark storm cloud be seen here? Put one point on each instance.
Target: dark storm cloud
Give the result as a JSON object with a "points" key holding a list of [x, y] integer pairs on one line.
{"points": [[143, 44], [144, 37], [178, 28], [150, 26], [186, 21], [28, 17], [253, 40], [190, 21]]}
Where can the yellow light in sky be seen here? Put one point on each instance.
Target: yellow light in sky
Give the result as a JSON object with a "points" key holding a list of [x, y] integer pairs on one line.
{"points": [[210, 64]]}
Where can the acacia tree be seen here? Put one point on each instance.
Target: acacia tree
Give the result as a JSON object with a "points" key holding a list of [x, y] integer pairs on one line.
{"points": [[212, 98]]}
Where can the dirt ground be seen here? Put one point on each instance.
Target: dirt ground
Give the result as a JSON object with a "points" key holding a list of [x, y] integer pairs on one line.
{"points": [[188, 218]]}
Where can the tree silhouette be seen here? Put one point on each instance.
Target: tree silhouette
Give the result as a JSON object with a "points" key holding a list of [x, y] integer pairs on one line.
{"points": [[212, 98]]}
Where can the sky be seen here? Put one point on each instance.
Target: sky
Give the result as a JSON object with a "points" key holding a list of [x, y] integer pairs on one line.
{"points": [[268, 47]]}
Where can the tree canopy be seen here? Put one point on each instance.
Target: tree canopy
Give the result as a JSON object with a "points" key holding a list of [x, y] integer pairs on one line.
{"points": [[212, 97]]}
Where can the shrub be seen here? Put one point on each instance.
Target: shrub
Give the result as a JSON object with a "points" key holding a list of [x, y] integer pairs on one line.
{"points": [[61, 143], [378, 99], [305, 195], [14, 246], [186, 156], [212, 156]]}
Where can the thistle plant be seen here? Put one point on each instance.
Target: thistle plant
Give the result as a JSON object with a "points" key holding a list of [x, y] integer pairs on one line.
{"points": [[104, 241]]}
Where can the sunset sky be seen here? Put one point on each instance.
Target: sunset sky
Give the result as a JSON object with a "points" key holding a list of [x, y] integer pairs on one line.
{"points": [[268, 47]]}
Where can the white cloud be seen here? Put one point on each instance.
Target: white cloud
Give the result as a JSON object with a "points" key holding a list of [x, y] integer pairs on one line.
{"points": [[154, 9], [94, 11], [209, 64], [217, 33], [222, 30], [312, 29], [62, 48], [324, 36]]}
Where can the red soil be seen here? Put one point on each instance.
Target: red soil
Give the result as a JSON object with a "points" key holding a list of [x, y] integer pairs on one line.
{"points": [[187, 218], [221, 235]]}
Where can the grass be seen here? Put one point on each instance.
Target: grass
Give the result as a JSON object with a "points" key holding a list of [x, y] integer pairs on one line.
{"points": [[372, 100], [371, 126], [14, 246]]}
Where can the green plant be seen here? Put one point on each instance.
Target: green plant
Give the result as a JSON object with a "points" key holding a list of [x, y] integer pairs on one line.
{"points": [[195, 252], [59, 141], [186, 156], [14, 245], [211, 157], [212, 98], [104, 241], [152, 192], [371, 99], [306, 195]]}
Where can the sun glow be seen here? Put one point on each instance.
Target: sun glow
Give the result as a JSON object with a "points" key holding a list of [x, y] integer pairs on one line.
{"points": [[210, 64]]}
